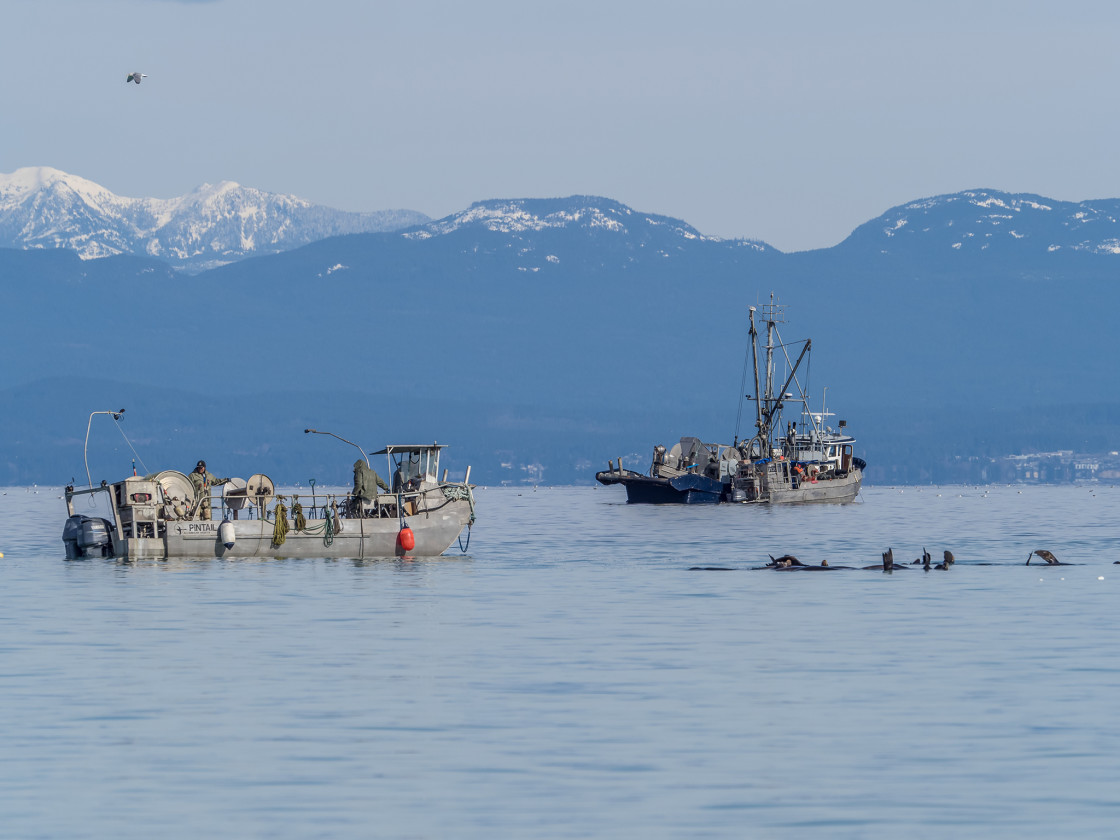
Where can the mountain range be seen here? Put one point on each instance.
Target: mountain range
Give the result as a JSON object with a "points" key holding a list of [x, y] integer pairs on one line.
{"points": [[540, 337], [42, 207]]}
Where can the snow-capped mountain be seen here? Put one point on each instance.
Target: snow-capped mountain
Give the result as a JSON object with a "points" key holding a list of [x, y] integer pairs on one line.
{"points": [[42, 207], [540, 234], [980, 220], [523, 217]]}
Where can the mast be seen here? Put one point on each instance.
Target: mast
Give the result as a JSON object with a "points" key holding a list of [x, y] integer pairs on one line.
{"points": [[770, 327], [772, 312], [757, 393]]}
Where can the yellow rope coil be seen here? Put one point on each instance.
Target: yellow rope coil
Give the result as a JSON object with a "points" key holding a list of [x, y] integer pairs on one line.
{"points": [[280, 529]]}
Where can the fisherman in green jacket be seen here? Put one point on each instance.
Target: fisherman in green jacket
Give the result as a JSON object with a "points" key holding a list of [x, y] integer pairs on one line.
{"points": [[203, 481], [366, 481]]}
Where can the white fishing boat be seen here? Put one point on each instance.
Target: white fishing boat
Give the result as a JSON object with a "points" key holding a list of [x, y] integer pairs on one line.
{"points": [[161, 515], [808, 462]]}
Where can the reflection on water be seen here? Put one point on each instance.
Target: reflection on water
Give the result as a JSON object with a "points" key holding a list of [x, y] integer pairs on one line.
{"points": [[571, 677]]}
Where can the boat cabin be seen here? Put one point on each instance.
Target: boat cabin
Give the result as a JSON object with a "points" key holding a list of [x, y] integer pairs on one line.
{"points": [[412, 466]]}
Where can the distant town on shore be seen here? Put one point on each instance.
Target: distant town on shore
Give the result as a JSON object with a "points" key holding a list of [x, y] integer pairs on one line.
{"points": [[1064, 466]]}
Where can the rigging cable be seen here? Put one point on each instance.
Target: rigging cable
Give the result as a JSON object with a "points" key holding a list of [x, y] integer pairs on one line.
{"points": [[117, 423]]}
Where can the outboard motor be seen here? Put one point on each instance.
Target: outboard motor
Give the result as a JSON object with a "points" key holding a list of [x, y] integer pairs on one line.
{"points": [[85, 536], [70, 533]]}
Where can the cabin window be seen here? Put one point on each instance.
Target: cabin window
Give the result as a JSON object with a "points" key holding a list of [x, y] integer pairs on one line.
{"points": [[429, 463], [417, 465]]}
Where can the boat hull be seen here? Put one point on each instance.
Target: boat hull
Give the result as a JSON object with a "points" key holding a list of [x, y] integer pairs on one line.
{"points": [[692, 489], [359, 538], [433, 532], [835, 491], [685, 489]]}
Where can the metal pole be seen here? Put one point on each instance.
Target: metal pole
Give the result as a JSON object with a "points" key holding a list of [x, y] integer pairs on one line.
{"points": [[85, 449], [757, 392], [344, 440]]}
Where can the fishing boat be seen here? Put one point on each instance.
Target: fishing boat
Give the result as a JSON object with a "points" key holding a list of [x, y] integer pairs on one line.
{"points": [[160, 515], [808, 461]]}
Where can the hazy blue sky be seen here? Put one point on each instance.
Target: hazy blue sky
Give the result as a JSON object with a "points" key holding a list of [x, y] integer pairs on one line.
{"points": [[787, 122]]}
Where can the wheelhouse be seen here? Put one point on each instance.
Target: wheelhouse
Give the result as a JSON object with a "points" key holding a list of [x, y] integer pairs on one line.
{"points": [[412, 465]]}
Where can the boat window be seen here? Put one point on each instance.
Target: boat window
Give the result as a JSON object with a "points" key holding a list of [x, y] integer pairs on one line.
{"points": [[429, 463], [416, 464], [408, 467]]}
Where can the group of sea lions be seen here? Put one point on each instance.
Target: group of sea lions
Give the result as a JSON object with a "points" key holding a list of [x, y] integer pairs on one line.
{"points": [[789, 563]]}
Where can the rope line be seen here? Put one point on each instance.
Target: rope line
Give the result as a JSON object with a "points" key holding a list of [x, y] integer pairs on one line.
{"points": [[130, 446], [280, 529]]}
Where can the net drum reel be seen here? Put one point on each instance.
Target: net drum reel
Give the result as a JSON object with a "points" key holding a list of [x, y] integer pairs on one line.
{"points": [[260, 490], [235, 496], [178, 493]]}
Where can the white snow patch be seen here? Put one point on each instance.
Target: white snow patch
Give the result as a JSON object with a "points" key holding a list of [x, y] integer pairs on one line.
{"points": [[513, 218], [930, 202]]}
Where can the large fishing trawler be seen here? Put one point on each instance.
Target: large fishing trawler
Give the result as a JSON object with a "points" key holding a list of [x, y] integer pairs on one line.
{"points": [[783, 462]]}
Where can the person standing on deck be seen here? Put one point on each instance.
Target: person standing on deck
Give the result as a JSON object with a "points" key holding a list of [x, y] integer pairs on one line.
{"points": [[203, 481], [366, 481]]}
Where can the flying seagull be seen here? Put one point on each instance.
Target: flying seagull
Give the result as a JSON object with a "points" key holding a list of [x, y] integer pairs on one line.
{"points": [[135, 77]]}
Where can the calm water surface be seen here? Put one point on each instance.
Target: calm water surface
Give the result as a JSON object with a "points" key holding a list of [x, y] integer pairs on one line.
{"points": [[570, 677]]}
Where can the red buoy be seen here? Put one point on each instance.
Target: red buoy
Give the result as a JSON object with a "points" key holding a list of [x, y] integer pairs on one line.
{"points": [[406, 539]]}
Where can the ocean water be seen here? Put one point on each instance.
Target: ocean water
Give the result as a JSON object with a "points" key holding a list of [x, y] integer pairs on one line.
{"points": [[571, 677]]}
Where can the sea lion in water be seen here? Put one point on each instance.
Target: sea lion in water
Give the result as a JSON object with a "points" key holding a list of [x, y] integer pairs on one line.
{"points": [[1050, 559], [784, 562], [789, 563], [888, 562], [802, 567]]}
